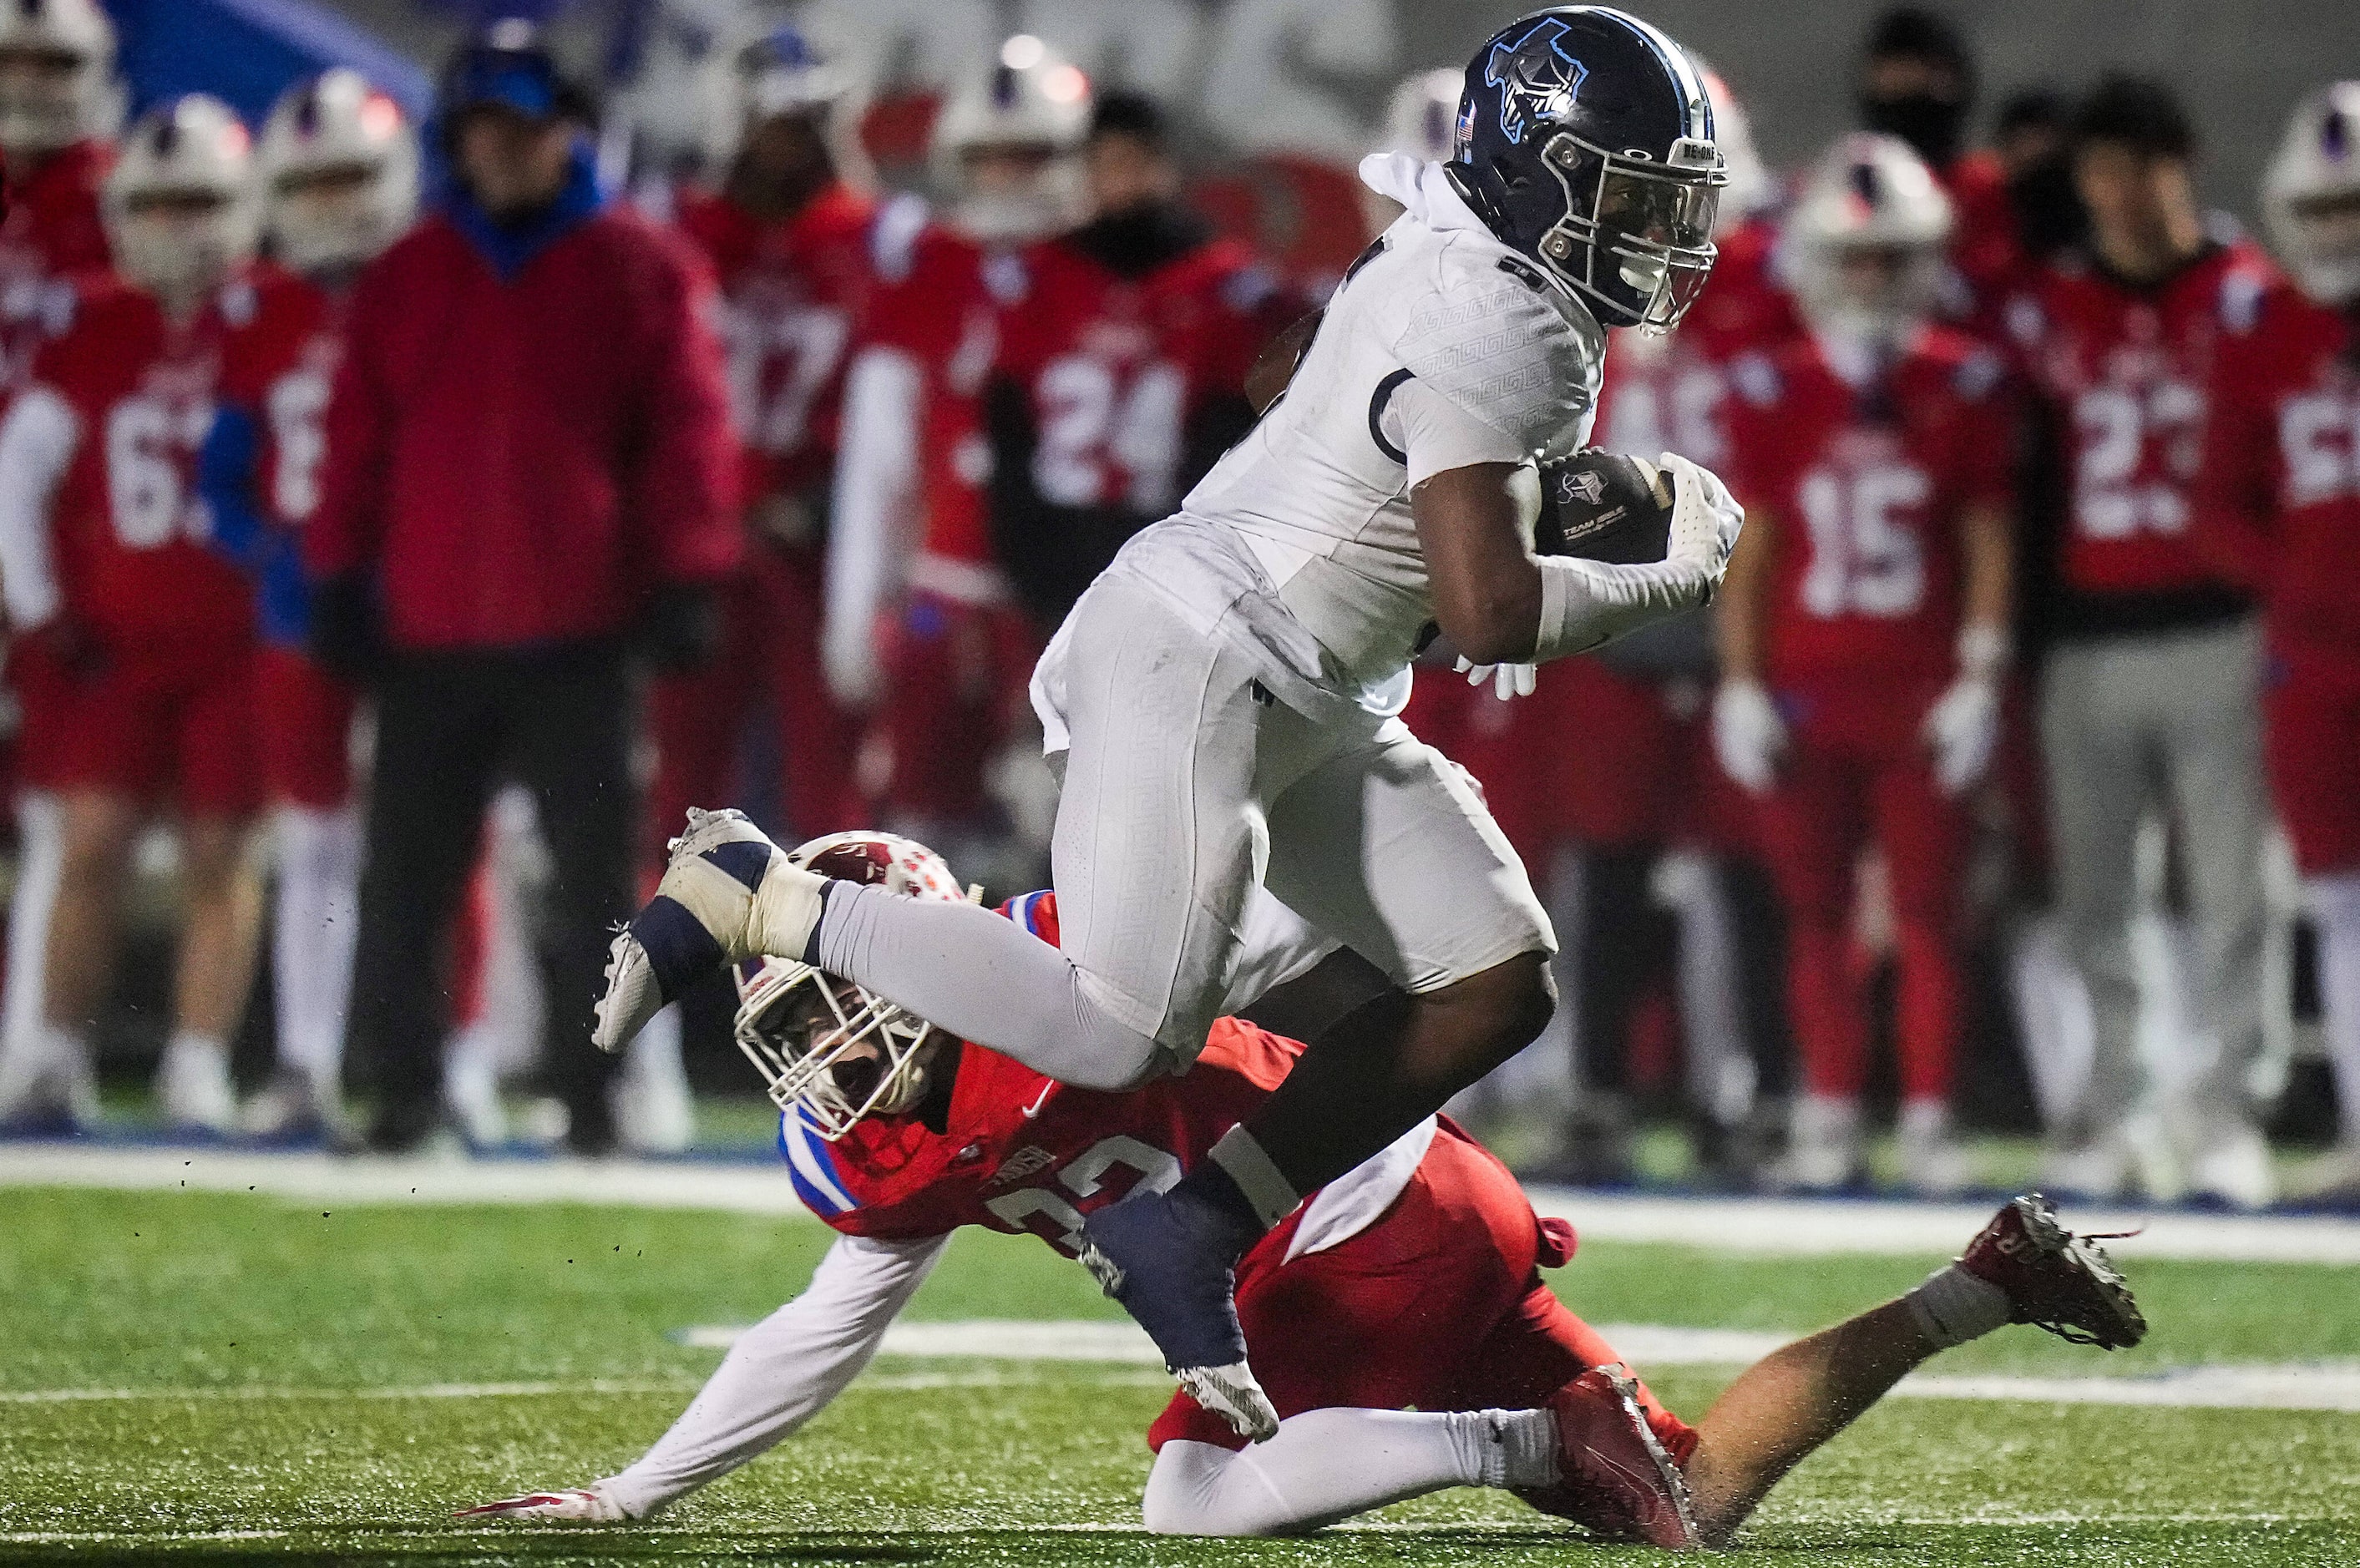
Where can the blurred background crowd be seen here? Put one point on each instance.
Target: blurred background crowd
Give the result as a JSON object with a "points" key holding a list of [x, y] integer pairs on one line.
{"points": [[417, 490]]}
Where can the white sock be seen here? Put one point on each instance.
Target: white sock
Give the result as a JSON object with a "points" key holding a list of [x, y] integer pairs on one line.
{"points": [[1329, 1464], [311, 944], [188, 1044], [1953, 1306], [2335, 905], [40, 861], [2052, 1012]]}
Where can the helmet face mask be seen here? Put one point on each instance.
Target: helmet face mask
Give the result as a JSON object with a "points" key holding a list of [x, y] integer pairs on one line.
{"points": [[831, 1053], [1008, 143], [1585, 141]]}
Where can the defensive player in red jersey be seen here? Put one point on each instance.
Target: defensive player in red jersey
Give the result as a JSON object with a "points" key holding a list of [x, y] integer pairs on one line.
{"points": [[2281, 504], [104, 542], [1865, 631], [58, 107], [2150, 681], [918, 609], [1398, 1318]]}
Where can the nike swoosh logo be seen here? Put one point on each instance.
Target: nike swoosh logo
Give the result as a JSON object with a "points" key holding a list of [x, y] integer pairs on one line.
{"points": [[1034, 1108]]}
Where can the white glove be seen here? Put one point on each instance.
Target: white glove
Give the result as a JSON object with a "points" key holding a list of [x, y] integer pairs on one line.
{"points": [[1705, 519], [855, 675], [1962, 729], [1509, 681], [1748, 733], [580, 1505]]}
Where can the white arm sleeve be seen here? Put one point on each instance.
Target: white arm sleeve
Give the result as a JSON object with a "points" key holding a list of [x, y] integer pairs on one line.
{"points": [[36, 444], [1438, 435], [784, 1371], [876, 496], [1585, 604]]}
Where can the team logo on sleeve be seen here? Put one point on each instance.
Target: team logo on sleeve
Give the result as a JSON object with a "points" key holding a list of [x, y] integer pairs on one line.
{"points": [[1536, 79]]}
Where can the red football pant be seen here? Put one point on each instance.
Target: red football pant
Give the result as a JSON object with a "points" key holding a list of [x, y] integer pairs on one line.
{"points": [[770, 644], [164, 724], [2313, 711], [306, 730], [1857, 771], [1438, 1305], [955, 672]]}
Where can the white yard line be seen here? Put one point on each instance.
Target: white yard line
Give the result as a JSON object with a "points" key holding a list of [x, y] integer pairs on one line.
{"points": [[1782, 1226]]}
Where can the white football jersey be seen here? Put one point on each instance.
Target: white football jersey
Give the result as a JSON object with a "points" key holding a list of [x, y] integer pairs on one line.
{"points": [[1317, 496]]}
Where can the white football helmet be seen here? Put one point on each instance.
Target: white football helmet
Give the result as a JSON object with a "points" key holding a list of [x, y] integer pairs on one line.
{"points": [[1870, 194], [1422, 119], [182, 208], [1028, 97], [57, 74], [1751, 188], [340, 172], [2311, 195], [831, 1049]]}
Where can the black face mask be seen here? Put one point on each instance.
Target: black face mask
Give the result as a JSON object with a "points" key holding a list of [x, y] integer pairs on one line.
{"points": [[2048, 215], [1935, 127]]}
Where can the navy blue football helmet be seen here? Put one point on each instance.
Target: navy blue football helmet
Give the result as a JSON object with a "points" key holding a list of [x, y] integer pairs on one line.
{"points": [[1585, 141]]}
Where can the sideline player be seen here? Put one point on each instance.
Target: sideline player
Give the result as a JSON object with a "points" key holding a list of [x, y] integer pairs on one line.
{"points": [[1224, 693], [58, 108], [923, 624], [106, 553], [1864, 634], [1399, 1318], [2279, 506], [339, 167]]}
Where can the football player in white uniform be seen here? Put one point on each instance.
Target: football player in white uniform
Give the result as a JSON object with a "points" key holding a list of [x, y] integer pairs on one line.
{"points": [[1222, 698]]}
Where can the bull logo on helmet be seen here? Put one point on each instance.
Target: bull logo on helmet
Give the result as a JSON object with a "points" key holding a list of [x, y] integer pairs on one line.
{"points": [[1536, 79]]}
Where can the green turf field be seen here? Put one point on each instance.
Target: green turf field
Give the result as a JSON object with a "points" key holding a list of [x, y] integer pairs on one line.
{"points": [[225, 1378]]}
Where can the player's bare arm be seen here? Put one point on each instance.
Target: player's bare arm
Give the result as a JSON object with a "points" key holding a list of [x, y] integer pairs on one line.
{"points": [[1475, 524]]}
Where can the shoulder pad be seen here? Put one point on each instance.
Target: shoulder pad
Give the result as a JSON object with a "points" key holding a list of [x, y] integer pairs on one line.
{"points": [[1978, 371], [893, 235], [1006, 276], [1756, 378], [1524, 361]]}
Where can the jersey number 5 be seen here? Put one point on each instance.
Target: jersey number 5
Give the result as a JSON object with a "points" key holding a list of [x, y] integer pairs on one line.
{"points": [[1865, 559], [1085, 1177]]}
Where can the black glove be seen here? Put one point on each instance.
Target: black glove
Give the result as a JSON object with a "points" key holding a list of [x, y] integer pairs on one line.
{"points": [[680, 628], [347, 636]]}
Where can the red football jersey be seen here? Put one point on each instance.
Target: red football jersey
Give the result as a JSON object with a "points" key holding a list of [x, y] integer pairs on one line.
{"points": [[937, 305], [1114, 366], [51, 233], [1867, 486], [2127, 370], [2279, 500], [1986, 252], [1022, 1153], [285, 374], [131, 530], [795, 293]]}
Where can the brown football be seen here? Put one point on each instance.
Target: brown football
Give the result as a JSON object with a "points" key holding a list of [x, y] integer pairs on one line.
{"points": [[1601, 506]]}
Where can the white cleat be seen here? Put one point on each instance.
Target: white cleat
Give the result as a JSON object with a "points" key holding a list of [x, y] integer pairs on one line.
{"points": [[193, 1082], [1825, 1152], [728, 894], [576, 1505], [1934, 1164], [654, 1113], [47, 1084], [2234, 1168]]}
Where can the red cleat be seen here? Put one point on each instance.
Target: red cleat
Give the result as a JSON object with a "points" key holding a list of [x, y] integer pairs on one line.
{"points": [[1616, 1480], [2061, 1282]]}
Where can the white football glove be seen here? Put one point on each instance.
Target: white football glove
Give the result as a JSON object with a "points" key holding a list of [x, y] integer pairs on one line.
{"points": [[589, 1505], [1962, 729], [1706, 519], [1509, 681], [1748, 733]]}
